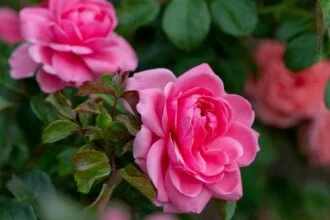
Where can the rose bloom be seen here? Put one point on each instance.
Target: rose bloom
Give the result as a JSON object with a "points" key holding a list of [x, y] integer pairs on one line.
{"points": [[194, 137], [283, 97], [70, 42], [314, 139], [9, 26]]}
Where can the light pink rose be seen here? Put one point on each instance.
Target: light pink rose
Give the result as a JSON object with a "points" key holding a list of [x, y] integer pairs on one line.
{"points": [[194, 137], [315, 140], [282, 97], [9, 26], [72, 41]]}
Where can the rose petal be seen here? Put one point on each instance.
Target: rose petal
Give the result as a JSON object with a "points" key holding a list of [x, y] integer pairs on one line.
{"points": [[21, 64], [49, 83], [243, 112], [35, 25], [185, 184], [151, 107], [184, 203], [229, 188], [157, 164], [155, 78], [201, 76], [248, 138], [70, 68], [117, 57]]}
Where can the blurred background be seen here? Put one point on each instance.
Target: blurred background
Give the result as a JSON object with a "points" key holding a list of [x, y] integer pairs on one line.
{"points": [[282, 183]]}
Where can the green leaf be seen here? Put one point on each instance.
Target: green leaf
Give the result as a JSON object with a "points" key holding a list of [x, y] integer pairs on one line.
{"points": [[29, 188], [65, 166], [235, 17], [90, 166], [4, 104], [12, 210], [323, 21], [233, 74], [132, 98], [227, 209], [103, 120], [100, 198], [88, 107], [139, 181], [186, 23], [58, 130], [41, 109], [133, 14], [291, 27], [96, 87], [62, 104], [327, 95], [301, 52], [130, 122]]}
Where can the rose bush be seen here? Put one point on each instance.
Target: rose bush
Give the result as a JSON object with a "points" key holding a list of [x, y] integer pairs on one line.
{"points": [[64, 46], [194, 137], [9, 26], [283, 97]]}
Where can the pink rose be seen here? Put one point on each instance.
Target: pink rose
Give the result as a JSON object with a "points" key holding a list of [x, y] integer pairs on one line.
{"points": [[72, 41], [283, 97], [9, 26], [194, 137], [314, 139]]}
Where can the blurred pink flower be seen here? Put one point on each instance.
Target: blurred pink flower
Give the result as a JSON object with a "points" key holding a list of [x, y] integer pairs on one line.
{"points": [[194, 137], [9, 26], [315, 140], [72, 41], [282, 97], [116, 213], [120, 213]]}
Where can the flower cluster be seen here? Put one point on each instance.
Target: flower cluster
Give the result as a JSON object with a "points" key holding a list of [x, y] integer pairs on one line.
{"points": [[285, 98]]}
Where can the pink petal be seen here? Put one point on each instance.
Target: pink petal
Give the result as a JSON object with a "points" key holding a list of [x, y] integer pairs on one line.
{"points": [[117, 57], [243, 112], [157, 163], [41, 54], [35, 26], [155, 78], [59, 6], [21, 64], [49, 83], [9, 26], [231, 147], [201, 76], [151, 108], [141, 146], [185, 184], [70, 68], [248, 138], [184, 203], [229, 188], [80, 50]]}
